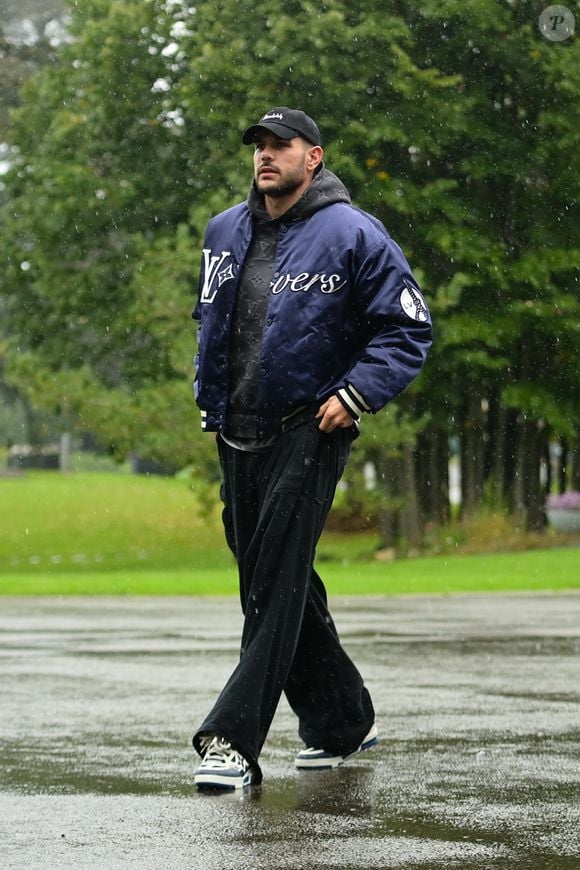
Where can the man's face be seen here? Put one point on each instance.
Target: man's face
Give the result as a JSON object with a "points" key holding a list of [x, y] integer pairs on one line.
{"points": [[280, 165]]}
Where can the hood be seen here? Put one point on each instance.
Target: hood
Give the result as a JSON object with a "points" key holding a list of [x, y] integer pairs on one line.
{"points": [[326, 189]]}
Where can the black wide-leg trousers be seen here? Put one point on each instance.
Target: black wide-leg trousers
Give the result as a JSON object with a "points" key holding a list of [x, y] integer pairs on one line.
{"points": [[275, 505]]}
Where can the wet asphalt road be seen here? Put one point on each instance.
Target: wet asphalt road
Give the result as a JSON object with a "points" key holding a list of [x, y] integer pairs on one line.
{"points": [[478, 704]]}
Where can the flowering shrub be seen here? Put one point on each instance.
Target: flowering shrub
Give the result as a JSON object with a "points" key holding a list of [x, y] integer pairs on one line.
{"points": [[568, 501]]}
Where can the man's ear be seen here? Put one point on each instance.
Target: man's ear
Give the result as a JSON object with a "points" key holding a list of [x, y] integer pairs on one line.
{"points": [[314, 157]]}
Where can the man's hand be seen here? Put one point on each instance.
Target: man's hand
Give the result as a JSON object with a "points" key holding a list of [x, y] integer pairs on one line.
{"points": [[333, 415]]}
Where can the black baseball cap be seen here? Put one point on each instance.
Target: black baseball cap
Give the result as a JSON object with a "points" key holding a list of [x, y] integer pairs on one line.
{"points": [[286, 124]]}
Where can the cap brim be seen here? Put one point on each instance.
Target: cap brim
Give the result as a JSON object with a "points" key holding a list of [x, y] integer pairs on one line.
{"points": [[279, 130]]}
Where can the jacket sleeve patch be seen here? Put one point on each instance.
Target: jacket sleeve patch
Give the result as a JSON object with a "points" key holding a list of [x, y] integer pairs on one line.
{"points": [[412, 302]]}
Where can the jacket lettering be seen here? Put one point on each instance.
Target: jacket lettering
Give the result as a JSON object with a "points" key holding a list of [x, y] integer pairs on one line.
{"points": [[211, 267], [304, 281]]}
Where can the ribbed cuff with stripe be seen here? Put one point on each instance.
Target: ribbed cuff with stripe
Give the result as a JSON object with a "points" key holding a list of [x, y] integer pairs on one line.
{"points": [[352, 401]]}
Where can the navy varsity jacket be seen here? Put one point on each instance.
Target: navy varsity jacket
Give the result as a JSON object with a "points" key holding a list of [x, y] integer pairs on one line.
{"points": [[345, 315]]}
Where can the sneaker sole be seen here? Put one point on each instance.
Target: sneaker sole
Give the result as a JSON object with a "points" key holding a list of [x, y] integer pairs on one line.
{"points": [[306, 763], [222, 781]]}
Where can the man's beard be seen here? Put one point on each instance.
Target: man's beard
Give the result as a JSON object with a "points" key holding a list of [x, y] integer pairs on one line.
{"points": [[285, 188], [281, 190]]}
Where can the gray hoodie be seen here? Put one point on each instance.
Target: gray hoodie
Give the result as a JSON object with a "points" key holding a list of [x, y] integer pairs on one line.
{"points": [[252, 300]]}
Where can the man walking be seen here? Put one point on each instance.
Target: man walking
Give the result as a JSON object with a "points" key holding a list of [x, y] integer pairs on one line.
{"points": [[309, 317]]}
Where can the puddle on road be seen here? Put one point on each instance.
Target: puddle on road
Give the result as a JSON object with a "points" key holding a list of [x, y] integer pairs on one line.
{"points": [[418, 806], [479, 768]]}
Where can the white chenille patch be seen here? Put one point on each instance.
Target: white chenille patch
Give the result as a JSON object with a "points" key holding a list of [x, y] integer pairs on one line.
{"points": [[413, 303]]}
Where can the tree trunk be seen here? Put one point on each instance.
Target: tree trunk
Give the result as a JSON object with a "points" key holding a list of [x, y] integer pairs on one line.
{"points": [[563, 465], [548, 465], [400, 516], [388, 473], [497, 452], [529, 494], [472, 457], [439, 464], [575, 466], [535, 511], [509, 472], [33, 426], [410, 519], [432, 475]]}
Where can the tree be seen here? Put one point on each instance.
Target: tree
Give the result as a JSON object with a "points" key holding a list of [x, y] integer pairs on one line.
{"points": [[87, 224], [512, 299], [26, 44], [454, 123], [126, 147]]}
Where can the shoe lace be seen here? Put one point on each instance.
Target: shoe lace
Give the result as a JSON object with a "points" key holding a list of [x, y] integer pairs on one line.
{"points": [[204, 742], [221, 750]]}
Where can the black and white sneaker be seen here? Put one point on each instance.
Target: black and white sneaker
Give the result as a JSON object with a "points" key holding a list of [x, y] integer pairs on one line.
{"points": [[222, 767], [320, 759]]}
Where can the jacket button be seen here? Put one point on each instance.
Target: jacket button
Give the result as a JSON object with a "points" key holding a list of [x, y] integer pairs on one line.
{"points": [[269, 321]]}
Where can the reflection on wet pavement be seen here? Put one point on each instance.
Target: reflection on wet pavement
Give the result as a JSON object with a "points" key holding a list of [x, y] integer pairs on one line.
{"points": [[478, 703]]}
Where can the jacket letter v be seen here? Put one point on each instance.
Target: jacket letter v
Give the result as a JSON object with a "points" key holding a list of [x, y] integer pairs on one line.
{"points": [[211, 265]]}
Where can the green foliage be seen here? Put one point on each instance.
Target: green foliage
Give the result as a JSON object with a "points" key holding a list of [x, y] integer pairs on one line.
{"points": [[515, 299], [454, 123], [21, 57]]}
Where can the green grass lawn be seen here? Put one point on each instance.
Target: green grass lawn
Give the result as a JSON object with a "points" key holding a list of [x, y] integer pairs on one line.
{"points": [[55, 522], [120, 534], [546, 570]]}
